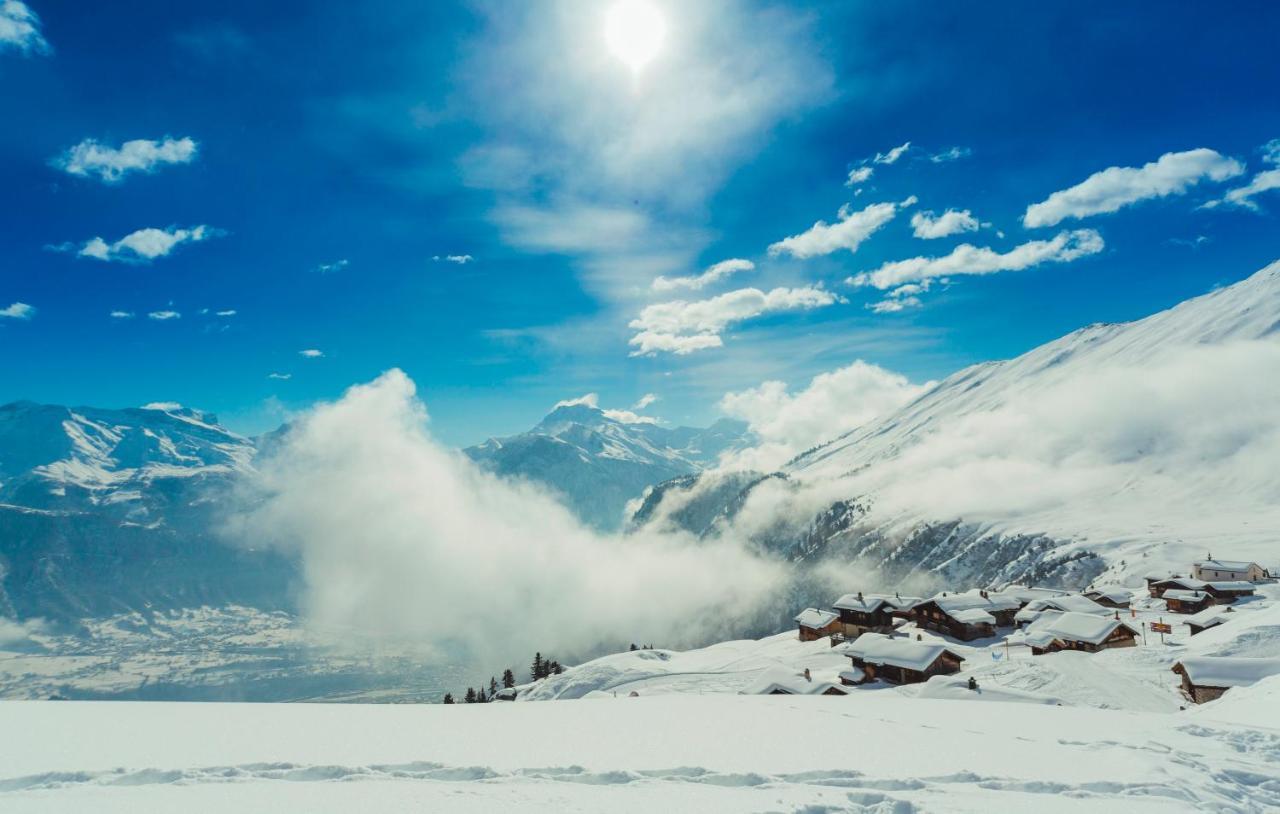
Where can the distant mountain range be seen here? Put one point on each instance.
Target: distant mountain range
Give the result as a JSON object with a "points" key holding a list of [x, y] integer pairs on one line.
{"points": [[597, 463]]}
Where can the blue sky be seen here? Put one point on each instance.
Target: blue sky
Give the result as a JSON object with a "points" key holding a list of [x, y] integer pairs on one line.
{"points": [[331, 152]]}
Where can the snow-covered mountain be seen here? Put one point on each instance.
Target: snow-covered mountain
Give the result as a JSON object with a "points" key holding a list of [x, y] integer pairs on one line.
{"points": [[1117, 447], [598, 462], [105, 511]]}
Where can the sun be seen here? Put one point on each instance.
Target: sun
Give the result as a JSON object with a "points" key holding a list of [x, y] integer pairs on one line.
{"points": [[634, 31]]}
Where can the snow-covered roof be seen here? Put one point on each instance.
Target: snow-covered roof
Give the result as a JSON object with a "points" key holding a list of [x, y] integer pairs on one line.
{"points": [[1159, 575], [1227, 671], [860, 603], [1184, 596], [782, 680], [814, 618], [1184, 582], [1209, 617], [1081, 627], [973, 616], [1113, 594], [1238, 585], [973, 599], [878, 648], [853, 674], [1225, 565], [1027, 594], [1075, 603]]}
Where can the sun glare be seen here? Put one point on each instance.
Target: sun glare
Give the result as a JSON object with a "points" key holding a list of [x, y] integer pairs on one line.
{"points": [[634, 30]]}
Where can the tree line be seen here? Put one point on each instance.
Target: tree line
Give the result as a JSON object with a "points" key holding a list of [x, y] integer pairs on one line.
{"points": [[540, 668]]}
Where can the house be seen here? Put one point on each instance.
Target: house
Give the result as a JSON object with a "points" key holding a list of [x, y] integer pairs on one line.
{"points": [[780, 681], [1205, 678], [1209, 617], [1212, 570], [896, 660], [966, 616], [817, 624], [1159, 576], [1085, 632], [1067, 603], [1157, 589], [1180, 601], [1110, 597], [1224, 593], [870, 613]]}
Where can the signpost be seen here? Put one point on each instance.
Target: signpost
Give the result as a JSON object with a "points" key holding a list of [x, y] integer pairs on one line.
{"points": [[1161, 628]]}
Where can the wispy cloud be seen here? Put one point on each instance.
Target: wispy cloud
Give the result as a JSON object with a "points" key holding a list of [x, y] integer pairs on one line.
{"points": [[18, 310], [928, 226], [460, 259], [1264, 181], [122, 315], [330, 268], [1117, 187], [110, 165], [230, 312], [20, 29], [968, 259], [849, 232], [644, 401], [141, 246], [681, 327], [713, 274], [892, 156], [859, 175], [311, 353], [164, 316], [280, 376], [950, 154]]}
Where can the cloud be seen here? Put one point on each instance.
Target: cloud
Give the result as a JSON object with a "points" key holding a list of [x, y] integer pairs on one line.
{"points": [[110, 164], [950, 154], [311, 353], [227, 313], [834, 403], [122, 315], [592, 400], [284, 377], [164, 316], [968, 259], [893, 305], [713, 274], [892, 156], [1264, 181], [859, 175], [848, 232], [1116, 187], [644, 401], [20, 29], [330, 268], [141, 246], [18, 310], [389, 552], [682, 327], [927, 226], [460, 259]]}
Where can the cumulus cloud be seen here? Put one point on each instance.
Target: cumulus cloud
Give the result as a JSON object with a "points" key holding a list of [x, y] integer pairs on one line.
{"points": [[18, 310], [1116, 187], [713, 274], [311, 353], [849, 232], [141, 246], [833, 403], [928, 226], [968, 259], [894, 304], [402, 539], [682, 327], [892, 156], [110, 165], [20, 29], [164, 316], [859, 175]]}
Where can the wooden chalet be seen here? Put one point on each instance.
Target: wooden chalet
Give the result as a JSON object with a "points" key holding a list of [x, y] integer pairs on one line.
{"points": [[967, 616], [896, 660], [872, 613], [779, 681], [1158, 588], [1205, 678], [1110, 597], [816, 624], [1226, 592], [1178, 600], [1208, 618], [1212, 570], [1085, 632]]}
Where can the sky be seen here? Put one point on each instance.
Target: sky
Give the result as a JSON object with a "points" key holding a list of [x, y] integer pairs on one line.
{"points": [[249, 207]]}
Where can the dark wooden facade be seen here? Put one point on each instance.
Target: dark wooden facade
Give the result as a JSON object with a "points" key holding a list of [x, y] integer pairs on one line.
{"points": [[930, 616], [947, 663], [811, 634], [1122, 636], [1176, 605]]}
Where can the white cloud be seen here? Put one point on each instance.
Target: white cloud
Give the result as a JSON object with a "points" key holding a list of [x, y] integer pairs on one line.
{"points": [[682, 327], [227, 313], [143, 245], [163, 406], [111, 164], [893, 305], [848, 232], [644, 401], [788, 423], [951, 154], [968, 259], [460, 259], [927, 226], [714, 274], [311, 353], [20, 29], [892, 156], [18, 310], [859, 175], [284, 377], [1116, 187], [390, 552], [330, 268], [1264, 181], [164, 316], [591, 400], [122, 315]]}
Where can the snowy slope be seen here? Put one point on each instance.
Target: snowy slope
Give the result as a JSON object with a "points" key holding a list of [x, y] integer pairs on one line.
{"points": [[597, 462], [1118, 447]]}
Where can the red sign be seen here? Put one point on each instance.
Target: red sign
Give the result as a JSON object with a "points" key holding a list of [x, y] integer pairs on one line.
{"points": [[1161, 627]]}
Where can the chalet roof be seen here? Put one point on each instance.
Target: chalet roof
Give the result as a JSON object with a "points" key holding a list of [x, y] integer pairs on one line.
{"points": [[1113, 594], [780, 679], [1075, 603], [1028, 594], [1226, 671], [870, 603], [1209, 617], [1078, 627], [814, 618], [854, 674], [951, 603], [877, 648], [1157, 576], [1225, 565], [1183, 582], [1237, 585], [973, 616], [1185, 596]]}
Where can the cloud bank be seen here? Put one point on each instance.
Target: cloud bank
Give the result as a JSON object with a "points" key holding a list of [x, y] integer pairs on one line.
{"points": [[142, 246], [110, 165], [682, 327], [20, 29], [402, 539]]}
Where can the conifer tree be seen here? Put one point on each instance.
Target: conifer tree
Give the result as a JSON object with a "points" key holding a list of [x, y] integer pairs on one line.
{"points": [[493, 686], [471, 695], [508, 678], [537, 670], [555, 668], [480, 697], [448, 698]]}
